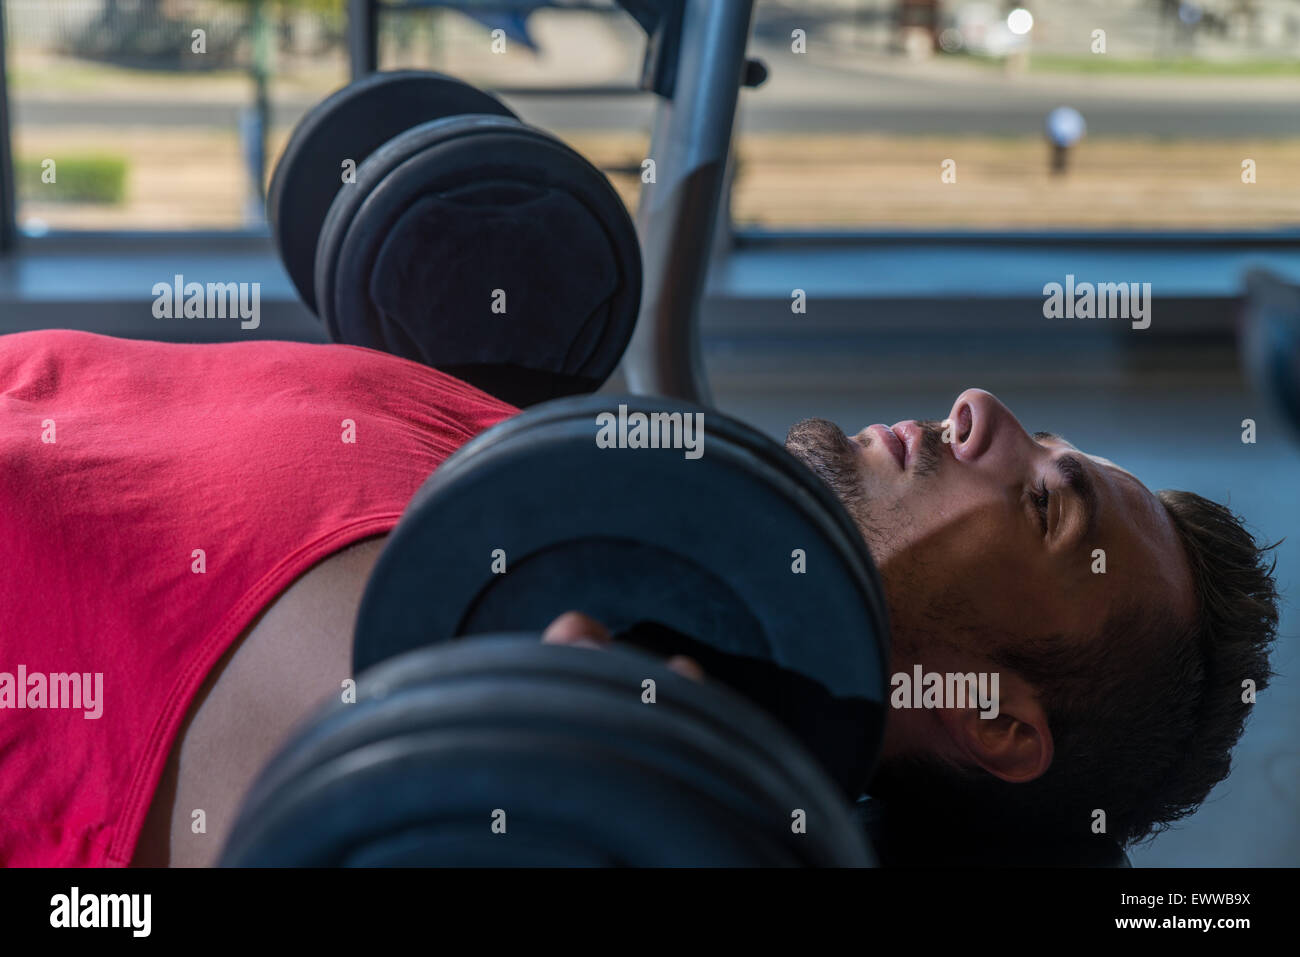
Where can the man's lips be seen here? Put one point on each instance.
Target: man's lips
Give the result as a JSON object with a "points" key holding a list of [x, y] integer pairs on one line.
{"points": [[909, 433], [890, 439]]}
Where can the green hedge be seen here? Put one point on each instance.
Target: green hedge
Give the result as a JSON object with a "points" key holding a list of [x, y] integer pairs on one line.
{"points": [[77, 179]]}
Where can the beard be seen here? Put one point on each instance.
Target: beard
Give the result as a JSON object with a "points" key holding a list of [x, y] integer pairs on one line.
{"points": [[834, 458], [837, 460]]}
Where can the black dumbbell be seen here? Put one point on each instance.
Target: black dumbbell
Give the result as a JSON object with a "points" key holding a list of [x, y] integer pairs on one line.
{"points": [[467, 240], [740, 558], [505, 752]]}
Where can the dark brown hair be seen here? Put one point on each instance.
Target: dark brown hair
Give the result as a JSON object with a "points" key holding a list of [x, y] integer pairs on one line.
{"points": [[1144, 719]]}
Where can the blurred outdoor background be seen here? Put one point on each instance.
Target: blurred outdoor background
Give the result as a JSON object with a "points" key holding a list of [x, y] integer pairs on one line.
{"points": [[866, 100]]}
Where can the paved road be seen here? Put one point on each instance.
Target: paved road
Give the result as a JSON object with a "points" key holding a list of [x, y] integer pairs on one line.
{"points": [[957, 110], [833, 92]]}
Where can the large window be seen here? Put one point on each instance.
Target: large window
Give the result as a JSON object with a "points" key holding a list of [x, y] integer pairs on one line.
{"points": [[159, 114], [126, 118], [877, 115], [571, 70], [931, 115]]}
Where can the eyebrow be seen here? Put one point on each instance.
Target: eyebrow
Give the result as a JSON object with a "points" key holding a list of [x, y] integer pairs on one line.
{"points": [[1075, 475]]}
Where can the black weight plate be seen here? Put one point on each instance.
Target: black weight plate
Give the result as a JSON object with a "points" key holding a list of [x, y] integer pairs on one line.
{"points": [[742, 730], [771, 453], [351, 124], [335, 815], [572, 331], [498, 704], [508, 681], [530, 687], [574, 292], [629, 535], [343, 210]]}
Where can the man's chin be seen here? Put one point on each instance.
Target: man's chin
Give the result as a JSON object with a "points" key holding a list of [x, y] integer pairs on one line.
{"points": [[833, 457], [819, 444]]}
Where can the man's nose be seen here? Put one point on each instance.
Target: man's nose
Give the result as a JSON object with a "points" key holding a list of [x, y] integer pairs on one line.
{"points": [[981, 427]]}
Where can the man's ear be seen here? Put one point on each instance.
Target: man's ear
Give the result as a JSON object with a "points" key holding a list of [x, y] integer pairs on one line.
{"points": [[1015, 746]]}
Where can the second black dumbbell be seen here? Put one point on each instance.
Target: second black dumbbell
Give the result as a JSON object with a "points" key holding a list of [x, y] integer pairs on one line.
{"points": [[417, 215]]}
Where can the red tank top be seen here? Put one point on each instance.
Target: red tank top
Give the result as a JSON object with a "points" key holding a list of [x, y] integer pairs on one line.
{"points": [[154, 498]]}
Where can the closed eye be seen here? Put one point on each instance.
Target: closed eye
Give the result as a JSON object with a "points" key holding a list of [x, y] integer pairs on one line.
{"points": [[1040, 497]]}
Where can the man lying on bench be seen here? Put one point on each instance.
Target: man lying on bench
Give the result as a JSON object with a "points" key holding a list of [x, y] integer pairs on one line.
{"points": [[189, 528]]}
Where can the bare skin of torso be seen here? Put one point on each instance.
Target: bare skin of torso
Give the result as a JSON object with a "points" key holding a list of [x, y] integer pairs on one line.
{"points": [[288, 663], [285, 666]]}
